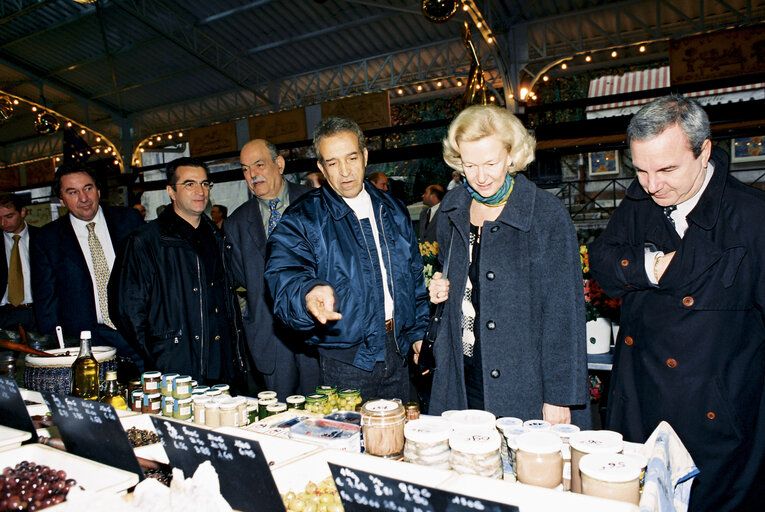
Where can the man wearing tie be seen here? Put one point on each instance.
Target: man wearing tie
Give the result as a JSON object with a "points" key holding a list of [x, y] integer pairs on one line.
{"points": [[72, 258], [429, 216], [288, 365], [16, 306]]}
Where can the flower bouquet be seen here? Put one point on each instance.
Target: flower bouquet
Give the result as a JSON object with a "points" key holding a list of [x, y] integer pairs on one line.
{"points": [[429, 253]]}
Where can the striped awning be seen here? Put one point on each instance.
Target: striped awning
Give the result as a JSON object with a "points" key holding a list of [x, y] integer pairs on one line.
{"points": [[657, 78]]}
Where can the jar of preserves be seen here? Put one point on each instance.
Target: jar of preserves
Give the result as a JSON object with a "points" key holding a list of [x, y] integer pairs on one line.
{"points": [[168, 403], [212, 414], [427, 442], [200, 390], [611, 475], [182, 387], [252, 411], [199, 409], [276, 408], [241, 410], [317, 403], [136, 400], [476, 452], [382, 426], [152, 402], [348, 399], [182, 409], [132, 386], [511, 440], [296, 402], [224, 388], [412, 411], [228, 414], [331, 392], [266, 394], [537, 425], [591, 441], [213, 392], [150, 382], [166, 384], [538, 459], [263, 404]]}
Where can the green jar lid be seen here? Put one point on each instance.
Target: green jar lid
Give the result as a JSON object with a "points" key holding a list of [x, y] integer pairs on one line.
{"points": [[349, 392], [326, 390]]}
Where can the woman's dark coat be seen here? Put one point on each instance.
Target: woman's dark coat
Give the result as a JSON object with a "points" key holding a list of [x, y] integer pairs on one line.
{"points": [[531, 307]]}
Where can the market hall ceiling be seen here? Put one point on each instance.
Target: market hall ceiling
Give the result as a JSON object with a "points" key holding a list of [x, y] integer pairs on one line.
{"points": [[128, 69]]}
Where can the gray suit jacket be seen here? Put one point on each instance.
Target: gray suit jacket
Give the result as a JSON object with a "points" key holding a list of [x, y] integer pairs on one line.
{"points": [[429, 234], [244, 229]]}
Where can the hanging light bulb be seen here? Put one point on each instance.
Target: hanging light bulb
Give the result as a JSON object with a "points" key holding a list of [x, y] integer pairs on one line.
{"points": [[587, 58], [180, 134]]}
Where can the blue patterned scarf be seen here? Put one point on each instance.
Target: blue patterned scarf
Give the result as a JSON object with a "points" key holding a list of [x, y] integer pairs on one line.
{"points": [[499, 198]]}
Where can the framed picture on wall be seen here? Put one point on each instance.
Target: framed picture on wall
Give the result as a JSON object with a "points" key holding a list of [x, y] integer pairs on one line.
{"points": [[747, 149], [604, 163]]}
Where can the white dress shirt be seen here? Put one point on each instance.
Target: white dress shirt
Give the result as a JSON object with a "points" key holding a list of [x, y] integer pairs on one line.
{"points": [[24, 255], [102, 232], [362, 207]]}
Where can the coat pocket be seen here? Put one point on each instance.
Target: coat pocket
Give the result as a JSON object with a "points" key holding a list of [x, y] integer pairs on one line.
{"points": [[162, 344]]}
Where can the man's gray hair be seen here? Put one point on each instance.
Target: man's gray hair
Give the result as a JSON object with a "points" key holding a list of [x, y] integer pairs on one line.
{"points": [[332, 126], [272, 149], [663, 113]]}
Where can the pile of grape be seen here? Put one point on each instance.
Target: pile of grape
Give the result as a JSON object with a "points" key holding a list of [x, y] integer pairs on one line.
{"points": [[29, 486], [321, 497]]}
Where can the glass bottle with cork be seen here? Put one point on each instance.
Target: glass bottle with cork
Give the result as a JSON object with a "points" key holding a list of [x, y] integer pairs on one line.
{"points": [[111, 393], [85, 378]]}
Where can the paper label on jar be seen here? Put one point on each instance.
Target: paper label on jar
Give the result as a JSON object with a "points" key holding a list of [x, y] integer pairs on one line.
{"points": [[185, 410], [151, 385], [382, 406], [154, 405], [183, 389]]}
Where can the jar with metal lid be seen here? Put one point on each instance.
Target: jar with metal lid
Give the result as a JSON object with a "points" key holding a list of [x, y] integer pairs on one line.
{"points": [[252, 411], [331, 392], [182, 409], [198, 409], [412, 411], [537, 425], [212, 414], [213, 392], [511, 434], [266, 394], [263, 404], [224, 388], [611, 475], [318, 403], [152, 403], [132, 386], [276, 408], [506, 423], [476, 452], [538, 459], [182, 387], [296, 402], [382, 426], [136, 400], [348, 399], [150, 382], [241, 410], [194, 383], [427, 442], [228, 414], [166, 384], [168, 403], [199, 390], [591, 441]]}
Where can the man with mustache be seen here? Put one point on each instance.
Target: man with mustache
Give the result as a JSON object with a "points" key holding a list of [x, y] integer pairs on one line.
{"points": [[72, 259], [288, 365]]}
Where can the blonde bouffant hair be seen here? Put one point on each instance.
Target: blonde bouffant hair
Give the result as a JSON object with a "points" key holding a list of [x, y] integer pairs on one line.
{"points": [[479, 121]]}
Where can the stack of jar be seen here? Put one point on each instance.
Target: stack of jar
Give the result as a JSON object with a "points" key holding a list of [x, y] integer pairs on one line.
{"points": [[221, 411], [427, 442]]}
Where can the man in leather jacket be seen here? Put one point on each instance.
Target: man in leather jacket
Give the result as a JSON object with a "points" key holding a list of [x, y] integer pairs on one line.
{"points": [[171, 295]]}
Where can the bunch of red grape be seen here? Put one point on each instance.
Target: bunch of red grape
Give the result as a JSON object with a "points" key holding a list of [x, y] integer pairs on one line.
{"points": [[29, 486]]}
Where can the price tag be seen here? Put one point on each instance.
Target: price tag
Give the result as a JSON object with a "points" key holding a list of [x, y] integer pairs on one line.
{"points": [[13, 411], [361, 492], [92, 430], [243, 471]]}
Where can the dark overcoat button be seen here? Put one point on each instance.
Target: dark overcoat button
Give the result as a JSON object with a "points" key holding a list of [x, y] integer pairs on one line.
{"points": [[490, 324], [490, 275], [495, 373]]}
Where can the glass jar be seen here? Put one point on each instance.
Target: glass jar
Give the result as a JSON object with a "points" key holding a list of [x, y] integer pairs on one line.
{"points": [[591, 441], [241, 410], [263, 404], [611, 475], [166, 384], [348, 399], [200, 390], [427, 442], [296, 402], [132, 386], [168, 403], [213, 392], [276, 408], [199, 409], [150, 382], [182, 409], [412, 411], [136, 400], [511, 440], [212, 414], [152, 402], [224, 388], [503, 424], [266, 394], [538, 459], [382, 426], [252, 411], [228, 414], [317, 403], [476, 452], [182, 387], [537, 425], [331, 392], [473, 420]]}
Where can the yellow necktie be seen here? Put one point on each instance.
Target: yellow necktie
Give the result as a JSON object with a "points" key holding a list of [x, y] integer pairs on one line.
{"points": [[101, 269], [15, 275]]}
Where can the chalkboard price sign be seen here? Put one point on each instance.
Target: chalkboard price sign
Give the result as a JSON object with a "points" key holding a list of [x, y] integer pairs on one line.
{"points": [[92, 430], [243, 472], [13, 411], [362, 492]]}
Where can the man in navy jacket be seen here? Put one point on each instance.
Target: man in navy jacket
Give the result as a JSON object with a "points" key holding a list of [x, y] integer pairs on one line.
{"points": [[344, 265]]}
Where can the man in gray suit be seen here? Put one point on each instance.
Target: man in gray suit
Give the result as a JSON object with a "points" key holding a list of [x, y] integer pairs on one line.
{"points": [[288, 365], [429, 216]]}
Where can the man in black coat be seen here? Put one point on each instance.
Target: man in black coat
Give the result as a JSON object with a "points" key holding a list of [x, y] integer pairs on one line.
{"points": [[72, 259], [171, 295], [288, 365], [686, 251], [16, 304], [429, 216]]}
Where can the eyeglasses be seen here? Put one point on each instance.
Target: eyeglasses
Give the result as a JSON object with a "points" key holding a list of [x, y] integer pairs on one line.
{"points": [[192, 185]]}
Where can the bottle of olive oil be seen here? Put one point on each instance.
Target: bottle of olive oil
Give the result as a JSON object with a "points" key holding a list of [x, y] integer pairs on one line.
{"points": [[111, 393], [85, 371]]}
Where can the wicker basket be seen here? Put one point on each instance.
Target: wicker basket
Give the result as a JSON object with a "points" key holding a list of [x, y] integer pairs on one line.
{"points": [[54, 374]]}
